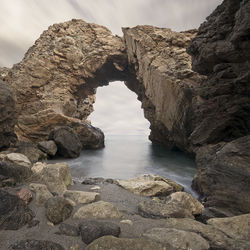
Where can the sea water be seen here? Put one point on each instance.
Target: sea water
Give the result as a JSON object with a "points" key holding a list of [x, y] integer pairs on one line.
{"points": [[129, 156]]}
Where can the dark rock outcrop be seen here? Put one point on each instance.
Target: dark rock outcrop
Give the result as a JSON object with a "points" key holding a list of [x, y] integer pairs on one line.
{"points": [[223, 175], [49, 147], [68, 230], [91, 230], [16, 171], [8, 117], [67, 142], [35, 245], [221, 50], [14, 213]]}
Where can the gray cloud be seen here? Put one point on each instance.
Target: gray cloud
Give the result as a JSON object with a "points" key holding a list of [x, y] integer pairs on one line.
{"points": [[22, 21]]}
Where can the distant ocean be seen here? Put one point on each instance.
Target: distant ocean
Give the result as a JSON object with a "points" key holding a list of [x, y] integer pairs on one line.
{"points": [[132, 155]]}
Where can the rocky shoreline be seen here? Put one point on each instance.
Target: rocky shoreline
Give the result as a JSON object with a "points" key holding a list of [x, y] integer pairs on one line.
{"points": [[50, 211], [194, 90]]}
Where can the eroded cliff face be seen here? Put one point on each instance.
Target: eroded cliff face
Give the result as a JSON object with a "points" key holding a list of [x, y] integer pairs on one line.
{"points": [[55, 82], [164, 82], [221, 50]]}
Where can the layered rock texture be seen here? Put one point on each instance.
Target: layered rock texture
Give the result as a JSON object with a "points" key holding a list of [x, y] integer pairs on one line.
{"points": [[55, 82], [221, 50]]}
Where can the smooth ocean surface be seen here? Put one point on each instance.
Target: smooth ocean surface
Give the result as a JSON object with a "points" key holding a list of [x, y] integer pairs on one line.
{"points": [[129, 156]]}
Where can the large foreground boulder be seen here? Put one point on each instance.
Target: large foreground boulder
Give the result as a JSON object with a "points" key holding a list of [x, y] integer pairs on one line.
{"points": [[98, 210], [81, 197], [35, 245], [237, 227], [14, 213], [42, 192], [57, 176], [58, 209], [16, 166], [8, 116], [93, 229], [214, 234], [177, 239], [177, 205], [111, 242], [150, 185], [153, 209]]}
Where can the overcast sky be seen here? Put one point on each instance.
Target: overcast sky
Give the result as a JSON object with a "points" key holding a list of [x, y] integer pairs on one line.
{"points": [[22, 21]]}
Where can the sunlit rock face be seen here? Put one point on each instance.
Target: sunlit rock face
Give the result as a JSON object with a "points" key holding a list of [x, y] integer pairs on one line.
{"points": [[163, 81], [55, 82]]}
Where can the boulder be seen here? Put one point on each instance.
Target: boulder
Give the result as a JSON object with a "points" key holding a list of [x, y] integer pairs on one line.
{"points": [[89, 136], [150, 185], [49, 147], [19, 173], [237, 227], [68, 230], [8, 115], [25, 195], [177, 239], [153, 209], [57, 176], [91, 230], [42, 193], [31, 150], [18, 159], [38, 168], [58, 209], [187, 201], [111, 242], [14, 213], [98, 210], [223, 174], [216, 238], [81, 196], [35, 244], [67, 142]]}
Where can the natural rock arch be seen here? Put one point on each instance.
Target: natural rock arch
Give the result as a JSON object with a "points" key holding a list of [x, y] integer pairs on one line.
{"points": [[56, 81]]}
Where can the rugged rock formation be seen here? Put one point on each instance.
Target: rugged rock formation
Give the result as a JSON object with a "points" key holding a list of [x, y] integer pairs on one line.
{"points": [[60, 73], [221, 51], [163, 81], [7, 115], [55, 82]]}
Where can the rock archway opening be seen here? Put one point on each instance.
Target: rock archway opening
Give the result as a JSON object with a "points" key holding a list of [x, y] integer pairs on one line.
{"points": [[117, 111]]}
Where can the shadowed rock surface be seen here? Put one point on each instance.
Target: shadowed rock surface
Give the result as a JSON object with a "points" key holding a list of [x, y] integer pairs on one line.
{"points": [[14, 213], [8, 117], [221, 50], [35, 245], [93, 229]]}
